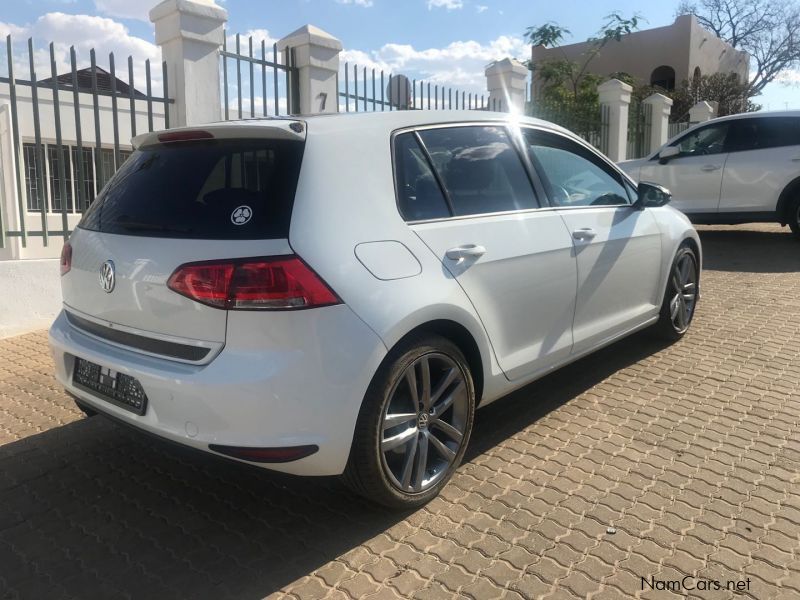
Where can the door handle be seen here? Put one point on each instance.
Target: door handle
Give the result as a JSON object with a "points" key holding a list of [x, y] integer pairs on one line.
{"points": [[796, 159], [587, 233], [465, 251], [709, 168]]}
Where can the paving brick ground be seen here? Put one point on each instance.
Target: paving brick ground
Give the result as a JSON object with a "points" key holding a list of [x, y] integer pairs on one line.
{"points": [[692, 452]]}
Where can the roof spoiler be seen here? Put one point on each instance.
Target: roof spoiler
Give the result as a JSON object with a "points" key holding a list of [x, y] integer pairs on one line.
{"points": [[275, 129]]}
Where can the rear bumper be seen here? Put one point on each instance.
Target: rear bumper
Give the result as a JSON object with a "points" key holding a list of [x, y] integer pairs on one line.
{"points": [[294, 381]]}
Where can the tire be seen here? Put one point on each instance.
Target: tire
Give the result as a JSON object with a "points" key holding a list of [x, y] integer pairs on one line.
{"points": [[85, 409], [793, 216], [384, 462], [674, 325]]}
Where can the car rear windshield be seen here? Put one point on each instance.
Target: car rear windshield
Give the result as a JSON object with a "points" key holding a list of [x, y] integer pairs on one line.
{"points": [[216, 189]]}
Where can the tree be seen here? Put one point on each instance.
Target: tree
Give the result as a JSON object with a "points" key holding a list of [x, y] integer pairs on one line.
{"points": [[730, 94], [768, 30], [572, 78]]}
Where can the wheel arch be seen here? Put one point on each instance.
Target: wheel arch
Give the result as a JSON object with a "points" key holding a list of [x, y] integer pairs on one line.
{"points": [[789, 193], [461, 337]]}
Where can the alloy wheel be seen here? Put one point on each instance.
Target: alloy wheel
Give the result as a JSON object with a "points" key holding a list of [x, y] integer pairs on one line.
{"points": [[423, 424], [684, 288]]}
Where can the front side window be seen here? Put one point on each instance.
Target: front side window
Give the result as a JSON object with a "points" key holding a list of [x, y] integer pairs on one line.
{"points": [[704, 141], [480, 169], [573, 175], [419, 196]]}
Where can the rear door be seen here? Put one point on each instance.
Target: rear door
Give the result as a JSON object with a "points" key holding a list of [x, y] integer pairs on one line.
{"points": [[174, 203], [764, 157], [478, 213], [694, 176], [618, 247]]}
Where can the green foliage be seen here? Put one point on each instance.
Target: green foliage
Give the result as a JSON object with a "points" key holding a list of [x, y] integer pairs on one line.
{"points": [[549, 35], [731, 95], [567, 79], [725, 89]]}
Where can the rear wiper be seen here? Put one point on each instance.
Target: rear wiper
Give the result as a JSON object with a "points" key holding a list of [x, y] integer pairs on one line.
{"points": [[143, 226]]}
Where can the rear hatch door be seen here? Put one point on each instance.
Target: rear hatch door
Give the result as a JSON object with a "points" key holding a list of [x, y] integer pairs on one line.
{"points": [[225, 194]]}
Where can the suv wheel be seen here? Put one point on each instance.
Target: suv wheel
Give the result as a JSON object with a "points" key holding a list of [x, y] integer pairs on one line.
{"points": [[794, 217], [414, 424], [680, 298]]}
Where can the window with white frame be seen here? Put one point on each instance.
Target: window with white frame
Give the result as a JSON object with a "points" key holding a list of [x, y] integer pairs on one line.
{"points": [[60, 190], [37, 171]]}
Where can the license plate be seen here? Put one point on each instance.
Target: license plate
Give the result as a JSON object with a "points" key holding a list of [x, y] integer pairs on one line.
{"points": [[117, 388]]}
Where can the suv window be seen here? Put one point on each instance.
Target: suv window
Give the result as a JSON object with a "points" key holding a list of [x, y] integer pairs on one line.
{"points": [[764, 132], [706, 140], [419, 196], [238, 189], [480, 169], [574, 175]]}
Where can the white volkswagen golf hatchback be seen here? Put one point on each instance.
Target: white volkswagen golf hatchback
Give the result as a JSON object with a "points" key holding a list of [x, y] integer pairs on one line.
{"points": [[337, 294]]}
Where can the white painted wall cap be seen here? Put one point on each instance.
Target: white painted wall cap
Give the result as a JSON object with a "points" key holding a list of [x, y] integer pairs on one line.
{"points": [[199, 8], [505, 65], [309, 35]]}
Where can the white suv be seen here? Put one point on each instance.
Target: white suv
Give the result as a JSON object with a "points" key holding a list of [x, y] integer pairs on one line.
{"points": [[739, 169], [338, 294]]}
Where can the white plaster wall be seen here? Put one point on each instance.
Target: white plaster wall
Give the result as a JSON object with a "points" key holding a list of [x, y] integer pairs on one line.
{"points": [[30, 295]]}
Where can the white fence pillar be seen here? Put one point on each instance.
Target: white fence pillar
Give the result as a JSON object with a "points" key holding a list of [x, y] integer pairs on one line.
{"points": [[701, 112], [616, 95], [316, 56], [190, 34], [506, 80], [659, 125]]}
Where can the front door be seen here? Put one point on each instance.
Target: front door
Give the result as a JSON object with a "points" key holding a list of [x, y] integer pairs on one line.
{"points": [[617, 247], [695, 175]]}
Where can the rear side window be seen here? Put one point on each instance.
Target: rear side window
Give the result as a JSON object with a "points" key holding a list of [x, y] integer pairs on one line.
{"points": [[764, 132], [481, 171], [242, 189], [418, 193]]}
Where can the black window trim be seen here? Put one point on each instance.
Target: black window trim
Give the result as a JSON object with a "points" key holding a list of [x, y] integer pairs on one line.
{"points": [[599, 159], [537, 186]]}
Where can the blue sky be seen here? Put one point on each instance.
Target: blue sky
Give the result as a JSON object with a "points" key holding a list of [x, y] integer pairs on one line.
{"points": [[445, 40]]}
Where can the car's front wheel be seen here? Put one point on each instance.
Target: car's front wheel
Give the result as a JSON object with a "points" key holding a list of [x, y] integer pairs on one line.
{"points": [[680, 297], [414, 424]]}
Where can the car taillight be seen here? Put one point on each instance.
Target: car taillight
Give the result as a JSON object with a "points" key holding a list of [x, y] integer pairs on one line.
{"points": [[277, 283], [66, 258]]}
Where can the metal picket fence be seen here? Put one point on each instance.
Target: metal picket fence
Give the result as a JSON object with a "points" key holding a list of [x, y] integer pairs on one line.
{"points": [[59, 172], [363, 89], [273, 75], [587, 120], [640, 120]]}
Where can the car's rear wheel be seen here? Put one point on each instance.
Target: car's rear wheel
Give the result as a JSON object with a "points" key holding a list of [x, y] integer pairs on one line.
{"points": [[414, 424], [680, 298], [794, 217]]}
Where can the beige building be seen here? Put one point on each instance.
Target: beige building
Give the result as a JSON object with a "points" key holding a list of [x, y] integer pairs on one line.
{"points": [[663, 56]]}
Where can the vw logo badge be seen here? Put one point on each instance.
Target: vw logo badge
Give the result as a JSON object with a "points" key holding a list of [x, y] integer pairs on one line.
{"points": [[241, 215], [107, 277]]}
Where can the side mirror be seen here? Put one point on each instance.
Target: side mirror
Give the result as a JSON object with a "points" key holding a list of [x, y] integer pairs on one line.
{"points": [[667, 153], [651, 195]]}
